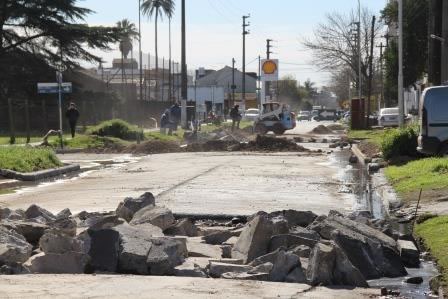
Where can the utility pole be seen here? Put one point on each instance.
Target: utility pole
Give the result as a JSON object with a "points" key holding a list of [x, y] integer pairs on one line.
{"points": [[245, 32], [163, 77], [381, 46], [259, 81], [184, 70], [400, 64], [268, 56], [169, 65], [140, 47], [359, 52], [233, 82], [372, 40], [149, 76]]}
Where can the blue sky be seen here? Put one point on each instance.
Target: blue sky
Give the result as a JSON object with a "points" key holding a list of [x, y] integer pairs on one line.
{"points": [[214, 30]]}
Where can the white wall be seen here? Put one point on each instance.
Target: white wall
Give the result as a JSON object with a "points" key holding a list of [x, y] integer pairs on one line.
{"points": [[200, 95]]}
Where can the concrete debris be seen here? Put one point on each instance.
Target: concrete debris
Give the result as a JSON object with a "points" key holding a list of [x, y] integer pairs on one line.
{"points": [[289, 240], [283, 263], [217, 238], [217, 269], [158, 216], [13, 247], [329, 265], [415, 280], [65, 225], [183, 227], [197, 248], [164, 255], [32, 231], [296, 218], [254, 240], [372, 252], [56, 242], [69, 262], [246, 276], [409, 253], [104, 249], [65, 213], [283, 246], [129, 206], [34, 211]]}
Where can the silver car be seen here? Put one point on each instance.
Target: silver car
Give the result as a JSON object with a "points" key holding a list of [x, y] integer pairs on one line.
{"points": [[251, 114], [388, 117]]}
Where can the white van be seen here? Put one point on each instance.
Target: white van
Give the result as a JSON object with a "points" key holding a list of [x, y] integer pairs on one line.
{"points": [[433, 139]]}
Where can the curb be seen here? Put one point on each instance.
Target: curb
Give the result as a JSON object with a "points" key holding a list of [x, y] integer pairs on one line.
{"points": [[39, 175], [69, 151], [361, 157]]}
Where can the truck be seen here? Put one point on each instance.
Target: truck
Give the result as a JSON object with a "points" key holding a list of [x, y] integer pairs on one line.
{"points": [[275, 117], [433, 138]]}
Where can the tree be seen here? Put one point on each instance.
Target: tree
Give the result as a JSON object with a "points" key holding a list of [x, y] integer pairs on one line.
{"points": [[44, 35], [158, 8], [288, 91], [334, 47], [128, 34], [311, 91], [415, 47]]}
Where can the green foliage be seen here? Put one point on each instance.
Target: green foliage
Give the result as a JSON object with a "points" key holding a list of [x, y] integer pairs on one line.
{"points": [[27, 159], [434, 233], [117, 128], [399, 142], [415, 36], [373, 136], [429, 173]]}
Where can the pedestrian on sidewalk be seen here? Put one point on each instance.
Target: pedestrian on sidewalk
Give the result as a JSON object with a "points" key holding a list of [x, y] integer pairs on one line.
{"points": [[72, 115], [236, 117]]}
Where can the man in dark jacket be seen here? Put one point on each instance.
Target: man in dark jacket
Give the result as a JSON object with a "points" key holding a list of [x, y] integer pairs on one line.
{"points": [[175, 115], [235, 115], [72, 115]]}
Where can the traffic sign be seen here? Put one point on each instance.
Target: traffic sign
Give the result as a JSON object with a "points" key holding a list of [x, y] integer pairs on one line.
{"points": [[53, 88]]}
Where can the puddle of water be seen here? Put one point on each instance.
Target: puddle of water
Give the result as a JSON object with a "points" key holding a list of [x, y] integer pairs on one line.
{"points": [[427, 270]]}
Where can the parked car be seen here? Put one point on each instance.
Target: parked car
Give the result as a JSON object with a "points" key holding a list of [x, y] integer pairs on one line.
{"points": [[388, 117], [433, 139], [304, 115], [251, 114]]}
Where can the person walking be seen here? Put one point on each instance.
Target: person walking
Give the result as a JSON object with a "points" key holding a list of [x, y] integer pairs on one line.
{"points": [[72, 115], [175, 115], [236, 117]]}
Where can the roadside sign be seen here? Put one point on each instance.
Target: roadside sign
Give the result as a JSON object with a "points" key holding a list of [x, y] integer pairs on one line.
{"points": [[269, 69], [53, 88]]}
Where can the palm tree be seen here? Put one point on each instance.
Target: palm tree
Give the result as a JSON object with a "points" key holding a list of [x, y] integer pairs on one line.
{"points": [[158, 8], [128, 34]]}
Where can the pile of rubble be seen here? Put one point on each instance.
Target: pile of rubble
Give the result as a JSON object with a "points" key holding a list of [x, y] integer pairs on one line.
{"points": [[260, 144], [145, 239]]}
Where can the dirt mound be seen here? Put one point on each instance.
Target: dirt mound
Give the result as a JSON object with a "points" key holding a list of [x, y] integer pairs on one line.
{"points": [[153, 147], [212, 146], [336, 127], [272, 144], [321, 129]]}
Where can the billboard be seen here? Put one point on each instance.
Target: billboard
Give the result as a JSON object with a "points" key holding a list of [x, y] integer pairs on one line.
{"points": [[269, 70]]}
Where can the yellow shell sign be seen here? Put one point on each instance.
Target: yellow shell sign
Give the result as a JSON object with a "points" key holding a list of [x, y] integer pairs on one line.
{"points": [[269, 67], [269, 70]]}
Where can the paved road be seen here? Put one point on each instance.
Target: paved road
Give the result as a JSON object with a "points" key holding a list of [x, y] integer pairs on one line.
{"points": [[122, 286], [217, 183]]}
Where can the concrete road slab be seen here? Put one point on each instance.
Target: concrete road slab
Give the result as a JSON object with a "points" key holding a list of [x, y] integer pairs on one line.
{"points": [[199, 183], [121, 286]]}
